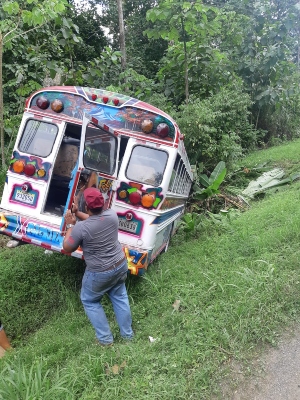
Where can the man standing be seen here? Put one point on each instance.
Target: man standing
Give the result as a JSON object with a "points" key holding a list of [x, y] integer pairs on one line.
{"points": [[106, 265]]}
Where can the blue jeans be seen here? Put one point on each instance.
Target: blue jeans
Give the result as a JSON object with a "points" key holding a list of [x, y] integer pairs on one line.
{"points": [[94, 287]]}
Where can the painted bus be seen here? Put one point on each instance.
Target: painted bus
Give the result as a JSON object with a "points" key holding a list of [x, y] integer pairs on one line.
{"points": [[73, 137]]}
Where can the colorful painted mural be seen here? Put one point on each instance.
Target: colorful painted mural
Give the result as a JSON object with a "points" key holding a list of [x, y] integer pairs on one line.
{"points": [[31, 166], [133, 193], [119, 112]]}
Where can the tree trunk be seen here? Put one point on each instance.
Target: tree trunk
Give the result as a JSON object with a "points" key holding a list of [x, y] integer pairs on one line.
{"points": [[122, 34], [1, 105], [186, 70]]}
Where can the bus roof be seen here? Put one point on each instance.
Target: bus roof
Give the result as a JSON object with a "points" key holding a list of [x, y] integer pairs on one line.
{"points": [[120, 112]]}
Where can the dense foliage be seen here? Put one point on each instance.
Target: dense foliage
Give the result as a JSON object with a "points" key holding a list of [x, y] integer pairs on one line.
{"points": [[227, 71]]}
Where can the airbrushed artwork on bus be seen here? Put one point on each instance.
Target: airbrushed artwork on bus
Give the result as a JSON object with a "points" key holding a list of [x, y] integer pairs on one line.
{"points": [[30, 230], [138, 261], [31, 166], [124, 114], [135, 194]]}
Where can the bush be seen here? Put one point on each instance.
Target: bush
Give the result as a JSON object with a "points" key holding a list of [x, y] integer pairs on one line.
{"points": [[282, 121], [217, 128]]}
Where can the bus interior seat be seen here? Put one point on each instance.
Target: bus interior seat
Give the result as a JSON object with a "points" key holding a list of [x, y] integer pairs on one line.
{"points": [[65, 163]]}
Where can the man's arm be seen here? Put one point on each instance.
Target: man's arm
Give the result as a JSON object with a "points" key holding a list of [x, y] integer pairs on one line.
{"points": [[69, 244], [75, 209]]}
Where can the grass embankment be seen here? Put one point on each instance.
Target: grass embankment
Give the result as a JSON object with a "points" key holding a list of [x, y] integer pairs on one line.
{"points": [[237, 289]]}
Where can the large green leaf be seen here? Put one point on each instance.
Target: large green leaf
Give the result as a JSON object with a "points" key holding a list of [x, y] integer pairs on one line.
{"points": [[219, 179], [216, 172]]}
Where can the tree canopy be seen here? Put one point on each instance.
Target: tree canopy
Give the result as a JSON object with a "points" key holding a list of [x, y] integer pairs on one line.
{"points": [[186, 57]]}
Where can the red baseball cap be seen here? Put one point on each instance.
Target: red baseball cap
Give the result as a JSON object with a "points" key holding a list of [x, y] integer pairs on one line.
{"points": [[93, 198]]}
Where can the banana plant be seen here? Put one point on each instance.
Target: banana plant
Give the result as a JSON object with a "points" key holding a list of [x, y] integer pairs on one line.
{"points": [[211, 184]]}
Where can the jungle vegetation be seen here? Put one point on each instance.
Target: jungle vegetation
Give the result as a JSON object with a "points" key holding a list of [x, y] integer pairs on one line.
{"points": [[226, 70]]}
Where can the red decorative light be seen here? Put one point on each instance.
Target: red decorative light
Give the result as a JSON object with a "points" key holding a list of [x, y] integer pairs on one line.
{"points": [[29, 169], [105, 99], [25, 188], [116, 101], [57, 105], [42, 102], [129, 216], [135, 198], [162, 130], [94, 97]]}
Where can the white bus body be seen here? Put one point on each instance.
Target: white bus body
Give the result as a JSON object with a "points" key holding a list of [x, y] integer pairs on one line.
{"points": [[73, 137]]}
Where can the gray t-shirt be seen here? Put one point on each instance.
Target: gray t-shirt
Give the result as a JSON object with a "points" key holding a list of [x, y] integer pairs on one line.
{"points": [[98, 238]]}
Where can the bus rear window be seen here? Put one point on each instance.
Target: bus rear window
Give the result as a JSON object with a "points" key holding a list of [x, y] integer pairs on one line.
{"points": [[38, 138], [147, 165]]}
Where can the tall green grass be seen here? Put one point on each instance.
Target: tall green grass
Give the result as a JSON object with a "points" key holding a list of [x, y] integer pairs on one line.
{"points": [[235, 290]]}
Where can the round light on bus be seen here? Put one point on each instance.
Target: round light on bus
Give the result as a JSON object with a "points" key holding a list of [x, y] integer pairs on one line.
{"points": [[162, 130], [41, 173], [123, 194], [116, 101], [129, 216], [18, 166], [147, 125], [25, 188], [57, 105], [105, 99], [94, 97], [29, 169], [147, 200], [42, 102], [135, 198]]}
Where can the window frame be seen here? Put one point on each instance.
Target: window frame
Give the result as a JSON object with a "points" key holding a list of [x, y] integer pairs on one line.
{"points": [[144, 181], [37, 154]]}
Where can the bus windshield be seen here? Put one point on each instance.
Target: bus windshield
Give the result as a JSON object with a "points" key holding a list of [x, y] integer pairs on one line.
{"points": [[100, 150]]}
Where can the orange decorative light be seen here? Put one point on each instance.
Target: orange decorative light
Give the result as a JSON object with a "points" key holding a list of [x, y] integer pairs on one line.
{"points": [[147, 125], [41, 173], [123, 194], [18, 166], [57, 105], [147, 200]]}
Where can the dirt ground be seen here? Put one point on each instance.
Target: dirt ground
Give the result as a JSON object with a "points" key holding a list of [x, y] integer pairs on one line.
{"points": [[273, 375]]}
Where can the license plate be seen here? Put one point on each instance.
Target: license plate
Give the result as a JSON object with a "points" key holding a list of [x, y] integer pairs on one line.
{"points": [[27, 198], [128, 226]]}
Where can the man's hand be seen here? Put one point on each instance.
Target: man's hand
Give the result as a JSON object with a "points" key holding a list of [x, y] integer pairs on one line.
{"points": [[70, 218], [74, 207]]}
